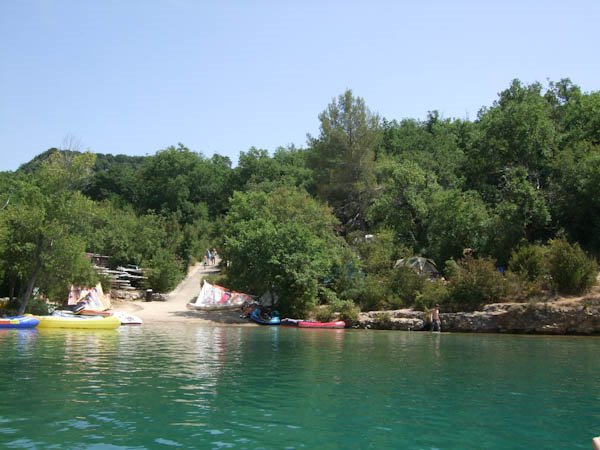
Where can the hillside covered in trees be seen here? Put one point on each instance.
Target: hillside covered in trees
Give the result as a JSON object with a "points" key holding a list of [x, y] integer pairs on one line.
{"points": [[518, 187]]}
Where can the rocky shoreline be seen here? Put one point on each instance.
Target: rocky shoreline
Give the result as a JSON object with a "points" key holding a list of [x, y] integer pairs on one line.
{"points": [[568, 317]]}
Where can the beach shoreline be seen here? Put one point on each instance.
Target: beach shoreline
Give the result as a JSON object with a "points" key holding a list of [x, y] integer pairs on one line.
{"points": [[174, 309]]}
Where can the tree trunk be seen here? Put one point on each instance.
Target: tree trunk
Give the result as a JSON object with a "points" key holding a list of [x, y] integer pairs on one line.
{"points": [[31, 282], [11, 290]]}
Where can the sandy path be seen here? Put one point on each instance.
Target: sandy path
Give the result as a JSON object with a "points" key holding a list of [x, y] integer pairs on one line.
{"points": [[174, 309]]}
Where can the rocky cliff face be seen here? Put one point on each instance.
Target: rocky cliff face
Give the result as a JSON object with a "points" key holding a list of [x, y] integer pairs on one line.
{"points": [[402, 319], [580, 316]]}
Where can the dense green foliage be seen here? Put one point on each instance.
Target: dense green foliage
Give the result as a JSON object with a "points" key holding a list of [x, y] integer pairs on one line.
{"points": [[280, 242], [570, 269], [474, 283], [559, 266], [343, 158], [519, 187]]}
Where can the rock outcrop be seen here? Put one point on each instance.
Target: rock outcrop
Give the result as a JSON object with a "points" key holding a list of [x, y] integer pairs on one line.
{"points": [[561, 317], [402, 319]]}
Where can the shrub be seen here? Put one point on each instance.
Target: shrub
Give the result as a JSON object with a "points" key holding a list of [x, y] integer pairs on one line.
{"points": [[434, 292], [164, 271], [383, 319], [520, 289], [570, 269], [529, 262], [327, 296], [371, 294], [37, 307], [347, 310], [451, 268], [476, 283], [407, 284], [324, 314]]}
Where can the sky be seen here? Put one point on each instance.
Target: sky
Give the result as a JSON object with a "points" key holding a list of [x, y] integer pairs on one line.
{"points": [[137, 76]]}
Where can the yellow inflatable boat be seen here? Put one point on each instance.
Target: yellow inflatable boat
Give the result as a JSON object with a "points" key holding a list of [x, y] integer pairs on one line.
{"points": [[89, 322]]}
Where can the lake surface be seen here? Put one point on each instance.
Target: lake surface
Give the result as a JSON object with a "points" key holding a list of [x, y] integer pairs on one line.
{"points": [[199, 387]]}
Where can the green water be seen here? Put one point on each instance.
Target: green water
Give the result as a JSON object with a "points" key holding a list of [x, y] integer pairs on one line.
{"points": [[189, 387]]}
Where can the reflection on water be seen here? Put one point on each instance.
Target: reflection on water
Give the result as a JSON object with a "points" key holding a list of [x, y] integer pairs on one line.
{"points": [[195, 387]]}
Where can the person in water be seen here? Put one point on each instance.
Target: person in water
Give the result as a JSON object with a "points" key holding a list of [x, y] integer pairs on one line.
{"points": [[436, 323]]}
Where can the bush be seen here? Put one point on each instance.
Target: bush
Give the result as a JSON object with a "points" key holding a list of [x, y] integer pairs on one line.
{"points": [[407, 284], [529, 262], [371, 294], [164, 271], [434, 292], [37, 307], [347, 310], [476, 283], [344, 310], [520, 289], [570, 269], [451, 269], [324, 314], [327, 296], [383, 319]]}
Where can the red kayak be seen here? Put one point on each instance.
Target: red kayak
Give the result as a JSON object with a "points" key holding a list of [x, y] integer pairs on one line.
{"points": [[311, 324]]}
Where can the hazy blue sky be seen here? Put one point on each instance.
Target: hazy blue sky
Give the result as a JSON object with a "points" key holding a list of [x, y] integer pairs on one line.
{"points": [[133, 77]]}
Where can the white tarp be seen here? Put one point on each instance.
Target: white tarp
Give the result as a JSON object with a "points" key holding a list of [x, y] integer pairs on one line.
{"points": [[214, 297]]}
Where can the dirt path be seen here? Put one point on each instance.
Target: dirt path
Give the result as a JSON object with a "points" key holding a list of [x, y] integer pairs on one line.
{"points": [[174, 308]]}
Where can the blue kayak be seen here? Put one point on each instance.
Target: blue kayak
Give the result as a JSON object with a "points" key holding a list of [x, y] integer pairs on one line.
{"points": [[19, 322], [256, 317]]}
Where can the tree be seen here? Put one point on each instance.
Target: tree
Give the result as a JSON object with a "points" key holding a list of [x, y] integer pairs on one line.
{"points": [[164, 185], [575, 194], [521, 214], [517, 131], [43, 227], [457, 220], [287, 167], [343, 158], [575, 113], [436, 145], [115, 178], [281, 242], [402, 203]]}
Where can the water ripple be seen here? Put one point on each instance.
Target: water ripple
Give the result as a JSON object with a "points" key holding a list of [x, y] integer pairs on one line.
{"points": [[226, 387]]}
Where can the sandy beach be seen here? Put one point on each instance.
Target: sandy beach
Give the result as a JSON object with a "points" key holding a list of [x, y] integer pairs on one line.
{"points": [[174, 308]]}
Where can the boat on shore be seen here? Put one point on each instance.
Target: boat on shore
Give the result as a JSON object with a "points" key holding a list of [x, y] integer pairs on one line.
{"points": [[213, 297], [313, 323], [127, 318], [77, 321], [19, 322], [262, 319]]}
